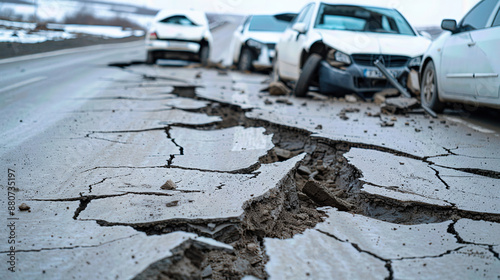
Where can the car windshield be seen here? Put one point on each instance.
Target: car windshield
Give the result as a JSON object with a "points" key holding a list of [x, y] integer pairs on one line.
{"points": [[363, 19], [267, 24], [179, 19]]}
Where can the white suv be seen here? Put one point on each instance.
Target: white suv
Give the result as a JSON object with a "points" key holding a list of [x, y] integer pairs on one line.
{"points": [[334, 47], [176, 34]]}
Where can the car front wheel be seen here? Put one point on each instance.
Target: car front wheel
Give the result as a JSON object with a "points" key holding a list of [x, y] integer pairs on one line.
{"points": [[151, 58], [429, 89], [245, 61], [204, 55], [308, 72]]}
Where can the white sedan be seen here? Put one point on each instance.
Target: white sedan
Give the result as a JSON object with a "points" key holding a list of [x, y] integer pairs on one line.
{"points": [[178, 34], [334, 47], [254, 41], [463, 65]]}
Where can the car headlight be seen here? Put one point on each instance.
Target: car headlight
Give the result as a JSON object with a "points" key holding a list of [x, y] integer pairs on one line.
{"points": [[255, 44], [337, 58], [415, 62]]}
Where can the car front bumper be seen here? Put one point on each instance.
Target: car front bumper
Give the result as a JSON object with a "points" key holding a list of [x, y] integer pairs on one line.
{"points": [[356, 79], [265, 59]]}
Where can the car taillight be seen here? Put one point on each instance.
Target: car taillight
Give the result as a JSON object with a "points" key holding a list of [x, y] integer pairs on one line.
{"points": [[153, 36]]}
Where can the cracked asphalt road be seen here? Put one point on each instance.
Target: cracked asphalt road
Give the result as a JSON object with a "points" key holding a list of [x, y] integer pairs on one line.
{"points": [[128, 180]]}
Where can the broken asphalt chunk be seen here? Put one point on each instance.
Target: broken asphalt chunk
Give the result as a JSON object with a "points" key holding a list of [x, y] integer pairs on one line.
{"points": [[399, 105], [320, 194], [277, 89], [282, 153], [284, 101], [304, 170], [351, 99], [413, 82], [24, 207], [169, 185], [185, 91], [387, 124], [402, 102]]}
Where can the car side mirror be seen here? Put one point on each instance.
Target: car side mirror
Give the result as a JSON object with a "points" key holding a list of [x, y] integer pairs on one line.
{"points": [[450, 25], [299, 27], [239, 29]]}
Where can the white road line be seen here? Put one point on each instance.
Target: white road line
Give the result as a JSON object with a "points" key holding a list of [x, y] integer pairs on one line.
{"points": [[470, 125], [23, 83]]}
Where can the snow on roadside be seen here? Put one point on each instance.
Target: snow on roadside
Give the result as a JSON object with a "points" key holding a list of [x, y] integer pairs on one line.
{"points": [[99, 30], [22, 32], [15, 24], [26, 37]]}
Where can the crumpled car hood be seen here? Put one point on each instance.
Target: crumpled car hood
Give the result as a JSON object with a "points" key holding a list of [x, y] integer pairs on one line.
{"points": [[351, 42]]}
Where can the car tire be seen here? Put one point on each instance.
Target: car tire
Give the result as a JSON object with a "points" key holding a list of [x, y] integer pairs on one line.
{"points": [[204, 55], [151, 58], [429, 89], [246, 59], [308, 72]]}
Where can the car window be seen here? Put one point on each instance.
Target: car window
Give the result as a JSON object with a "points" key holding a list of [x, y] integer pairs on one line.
{"points": [[267, 24], [301, 16], [247, 20], [496, 22], [180, 20], [308, 16], [478, 16], [364, 19]]}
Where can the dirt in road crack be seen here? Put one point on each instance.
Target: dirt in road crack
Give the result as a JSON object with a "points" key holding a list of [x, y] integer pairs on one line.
{"points": [[323, 178]]}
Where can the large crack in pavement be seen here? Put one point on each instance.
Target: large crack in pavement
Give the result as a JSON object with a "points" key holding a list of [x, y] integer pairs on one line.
{"points": [[325, 163], [388, 262], [73, 247], [278, 214], [288, 209]]}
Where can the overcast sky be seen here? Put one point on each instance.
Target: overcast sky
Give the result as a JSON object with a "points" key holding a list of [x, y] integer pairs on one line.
{"points": [[418, 12]]}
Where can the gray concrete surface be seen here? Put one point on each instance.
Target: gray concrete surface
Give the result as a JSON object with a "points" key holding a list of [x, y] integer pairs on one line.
{"points": [[356, 247], [418, 181]]}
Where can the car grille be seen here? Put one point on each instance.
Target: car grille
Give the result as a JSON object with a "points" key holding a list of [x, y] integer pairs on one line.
{"points": [[376, 84], [389, 60], [271, 46]]}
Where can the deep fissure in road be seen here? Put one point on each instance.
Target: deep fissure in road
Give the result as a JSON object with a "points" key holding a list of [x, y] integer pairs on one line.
{"points": [[322, 178]]}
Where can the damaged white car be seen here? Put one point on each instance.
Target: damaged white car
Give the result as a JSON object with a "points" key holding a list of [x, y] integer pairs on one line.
{"points": [[254, 41], [463, 65], [178, 34], [334, 46]]}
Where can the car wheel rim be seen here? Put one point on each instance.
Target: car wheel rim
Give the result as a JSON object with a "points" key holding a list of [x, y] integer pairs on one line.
{"points": [[245, 60], [429, 86], [204, 54]]}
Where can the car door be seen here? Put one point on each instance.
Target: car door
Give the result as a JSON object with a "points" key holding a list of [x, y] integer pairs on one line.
{"points": [[487, 58], [291, 46], [458, 61]]}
